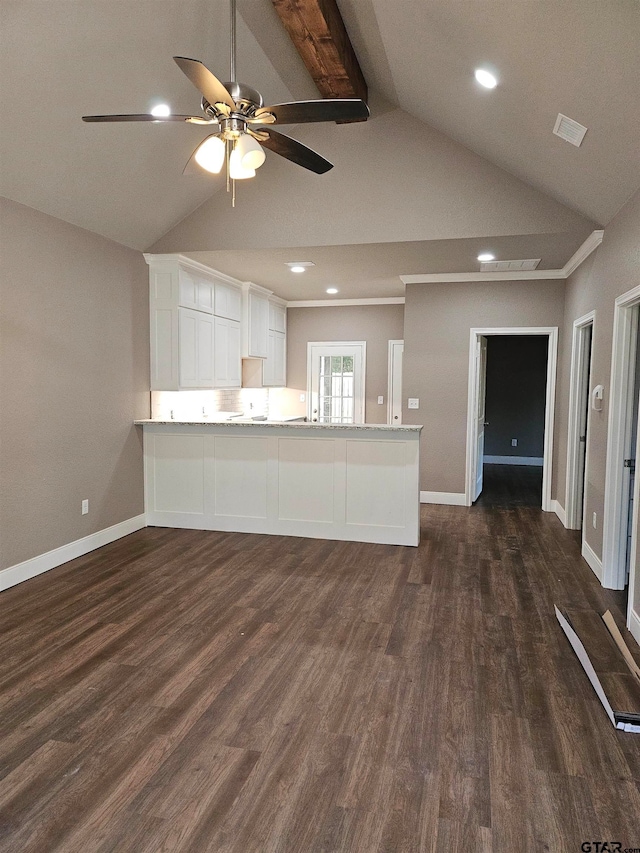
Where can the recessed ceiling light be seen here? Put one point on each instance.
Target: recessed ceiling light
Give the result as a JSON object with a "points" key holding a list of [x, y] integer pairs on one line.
{"points": [[332, 290], [161, 110], [299, 266], [486, 256], [486, 78]]}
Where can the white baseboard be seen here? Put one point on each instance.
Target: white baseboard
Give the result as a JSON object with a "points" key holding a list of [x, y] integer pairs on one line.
{"points": [[634, 625], [43, 563], [447, 498], [557, 507], [594, 562], [514, 460]]}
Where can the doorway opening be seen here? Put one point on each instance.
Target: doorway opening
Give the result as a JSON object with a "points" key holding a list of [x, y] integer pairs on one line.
{"points": [[336, 381], [579, 422], [516, 392]]}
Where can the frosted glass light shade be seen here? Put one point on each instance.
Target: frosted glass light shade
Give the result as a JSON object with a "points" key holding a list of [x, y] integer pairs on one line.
{"points": [[210, 154], [237, 172], [251, 153]]}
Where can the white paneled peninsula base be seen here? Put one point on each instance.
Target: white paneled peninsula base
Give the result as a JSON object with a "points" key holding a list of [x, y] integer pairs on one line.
{"points": [[357, 483]]}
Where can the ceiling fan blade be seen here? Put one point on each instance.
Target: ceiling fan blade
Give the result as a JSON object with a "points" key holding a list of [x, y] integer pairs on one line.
{"points": [[329, 109], [206, 83], [295, 151], [147, 117]]}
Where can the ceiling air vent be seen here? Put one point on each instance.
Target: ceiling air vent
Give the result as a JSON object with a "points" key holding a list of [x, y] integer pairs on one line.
{"points": [[509, 266], [569, 130]]}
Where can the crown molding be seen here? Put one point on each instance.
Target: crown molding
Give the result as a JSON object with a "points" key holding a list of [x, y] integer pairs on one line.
{"points": [[590, 244], [328, 303]]}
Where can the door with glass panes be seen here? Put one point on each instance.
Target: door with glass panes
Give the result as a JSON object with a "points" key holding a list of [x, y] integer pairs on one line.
{"points": [[336, 382]]}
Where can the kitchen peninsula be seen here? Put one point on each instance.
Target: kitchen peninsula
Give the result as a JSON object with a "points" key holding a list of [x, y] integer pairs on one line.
{"points": [[356, 482]]}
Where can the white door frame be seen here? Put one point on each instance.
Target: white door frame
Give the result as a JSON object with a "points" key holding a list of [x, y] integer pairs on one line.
{"points": [[391, 389], [614, 523], [549, 411], [361, 398], [574, 504]]}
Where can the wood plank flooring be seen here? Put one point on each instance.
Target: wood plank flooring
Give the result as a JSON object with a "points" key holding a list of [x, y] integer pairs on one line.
{"points": [[193, 691]]}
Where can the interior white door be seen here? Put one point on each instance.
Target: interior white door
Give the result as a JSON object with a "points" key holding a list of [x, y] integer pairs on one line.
{"points": [[336, 378], [481, 393], [394, 392], [583, 425]]}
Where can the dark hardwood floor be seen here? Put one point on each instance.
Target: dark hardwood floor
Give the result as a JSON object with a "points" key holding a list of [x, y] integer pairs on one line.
{"points": [[191, 691], [508, 486]]}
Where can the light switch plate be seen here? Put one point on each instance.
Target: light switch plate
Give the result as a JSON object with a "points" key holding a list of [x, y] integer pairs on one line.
{"points": [[413, 403]]}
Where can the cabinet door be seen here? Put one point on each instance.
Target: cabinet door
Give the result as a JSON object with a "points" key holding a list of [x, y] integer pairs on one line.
{"points": [[277, 317], [228, 301], [280, 360], [196, 293], [227, 359], [196, 338], [274, 366], [268, 365], [205, 296], [188, 291], [258, 325], [206, 341]]}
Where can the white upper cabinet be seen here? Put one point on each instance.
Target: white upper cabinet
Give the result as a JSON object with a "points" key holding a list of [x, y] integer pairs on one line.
{"points": [[255, 318], [195, 326], [195, 292], [196, 346], [227, 359], [277, 315], [227, 301]]}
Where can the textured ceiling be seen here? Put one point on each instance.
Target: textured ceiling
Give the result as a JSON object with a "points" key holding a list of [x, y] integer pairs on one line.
{"points": [[60, 59]]}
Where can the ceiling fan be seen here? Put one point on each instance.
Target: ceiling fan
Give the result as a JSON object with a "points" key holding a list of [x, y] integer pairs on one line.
{"points": [[242, 124]]}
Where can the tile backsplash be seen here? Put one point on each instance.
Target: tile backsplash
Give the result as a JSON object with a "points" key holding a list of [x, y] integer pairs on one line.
{"points": [[197, 405]]}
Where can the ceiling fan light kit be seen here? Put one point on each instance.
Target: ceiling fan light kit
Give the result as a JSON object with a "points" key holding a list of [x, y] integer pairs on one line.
{"points": [[210, 154], [242, 124]]}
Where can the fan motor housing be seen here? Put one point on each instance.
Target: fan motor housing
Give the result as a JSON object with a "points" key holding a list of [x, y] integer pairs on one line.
{"points": [[244, 96]]}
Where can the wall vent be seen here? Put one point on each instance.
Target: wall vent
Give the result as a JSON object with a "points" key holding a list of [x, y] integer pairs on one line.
{"points": [[509, 266], [569, 130]]}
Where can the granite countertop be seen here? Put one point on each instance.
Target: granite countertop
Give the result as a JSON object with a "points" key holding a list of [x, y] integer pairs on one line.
{"points": [[235, 422]]}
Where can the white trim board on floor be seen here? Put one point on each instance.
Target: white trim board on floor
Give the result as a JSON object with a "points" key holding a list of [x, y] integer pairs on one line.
{"points": [[557, 507], [52, 559], [593, 561], [445, 498], [514, 460]]}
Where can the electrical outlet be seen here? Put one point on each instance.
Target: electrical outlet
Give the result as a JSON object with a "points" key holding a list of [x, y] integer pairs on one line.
{"points": [[514, 442], [413, 403], [380, 400], [594, 521], [85, 507], [302, 398]]}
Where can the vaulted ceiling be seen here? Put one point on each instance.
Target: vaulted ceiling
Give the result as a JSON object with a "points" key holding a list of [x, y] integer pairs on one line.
{"points": [[441, 168]]}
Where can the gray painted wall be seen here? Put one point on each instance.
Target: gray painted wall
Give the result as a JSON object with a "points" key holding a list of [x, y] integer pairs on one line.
{"points": [[611, 271], [515, 399], [375, 324], [74, 373], [438, 318]]}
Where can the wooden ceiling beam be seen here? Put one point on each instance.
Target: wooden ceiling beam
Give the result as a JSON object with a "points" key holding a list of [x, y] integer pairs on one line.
{"points": [[318, 32]]}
